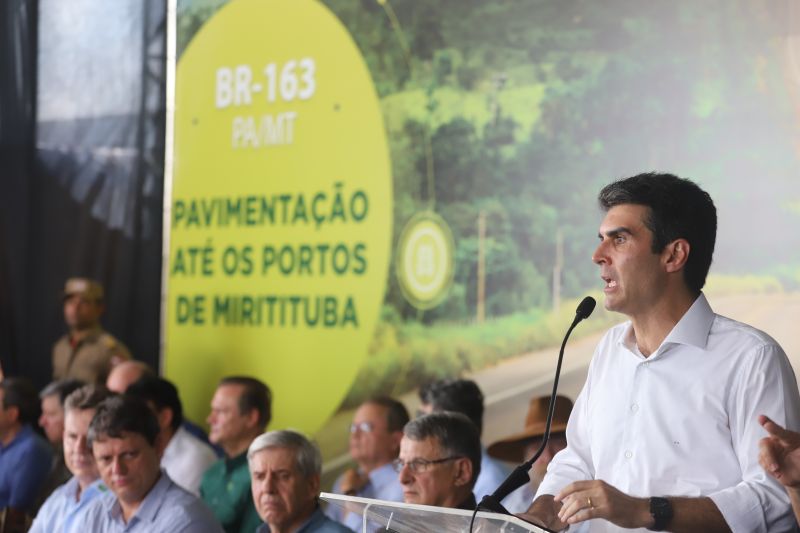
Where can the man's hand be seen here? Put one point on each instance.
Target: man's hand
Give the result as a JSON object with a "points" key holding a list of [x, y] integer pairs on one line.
{"points": [[353, 481], [543, 512], [779, 453], [586, 500]]}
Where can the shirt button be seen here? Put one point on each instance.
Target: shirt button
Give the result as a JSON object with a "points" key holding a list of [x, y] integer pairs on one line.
{"points": [[628, 454], [634, 407]]}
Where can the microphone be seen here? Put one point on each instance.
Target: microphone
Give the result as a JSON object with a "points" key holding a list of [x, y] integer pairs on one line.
{"points": [[520, 476]]}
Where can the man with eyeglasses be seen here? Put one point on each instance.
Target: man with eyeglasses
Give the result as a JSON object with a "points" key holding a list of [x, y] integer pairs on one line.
{"points": [[440, 459], [375, 436]]}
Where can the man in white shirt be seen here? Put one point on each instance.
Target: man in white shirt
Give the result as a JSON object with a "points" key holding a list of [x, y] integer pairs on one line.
{"points": [[184, 457], [664, 435]]}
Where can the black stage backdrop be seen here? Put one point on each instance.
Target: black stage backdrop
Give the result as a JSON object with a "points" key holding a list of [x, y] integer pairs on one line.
{"points": [[82, 106]]}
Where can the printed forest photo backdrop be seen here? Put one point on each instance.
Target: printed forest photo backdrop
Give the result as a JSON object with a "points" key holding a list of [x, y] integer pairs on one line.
{"points": [[468, 194]]}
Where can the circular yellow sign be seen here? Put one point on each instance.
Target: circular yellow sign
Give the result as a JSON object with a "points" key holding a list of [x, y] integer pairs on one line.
{"points": [[281, 209], [424, 262]]}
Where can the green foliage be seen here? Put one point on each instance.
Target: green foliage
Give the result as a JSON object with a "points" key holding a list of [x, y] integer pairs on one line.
{"points": [[405, 354]]}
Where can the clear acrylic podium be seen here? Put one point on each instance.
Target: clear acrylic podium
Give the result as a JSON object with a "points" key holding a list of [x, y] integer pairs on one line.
{"points": [[379, 515]]}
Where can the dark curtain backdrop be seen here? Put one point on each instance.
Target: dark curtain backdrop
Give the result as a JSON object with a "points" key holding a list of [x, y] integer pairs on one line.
{"points": [[82, 129]]}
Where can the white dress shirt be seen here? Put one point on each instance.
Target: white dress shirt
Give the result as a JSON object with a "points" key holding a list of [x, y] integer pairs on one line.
{"points": [[186, 458], [683, 421]]}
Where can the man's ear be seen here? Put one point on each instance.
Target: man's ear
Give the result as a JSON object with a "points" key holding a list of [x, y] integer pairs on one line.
{"points": [[252, 418], [463, 474], [165, 418], [675, 255], [396, 437], [14, 412], [313, 485]]}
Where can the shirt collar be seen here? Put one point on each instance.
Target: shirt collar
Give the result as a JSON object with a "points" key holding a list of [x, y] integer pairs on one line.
{"points": [[313, 522], [234, 463], [150, 505], [692, 329], [694, 326]]}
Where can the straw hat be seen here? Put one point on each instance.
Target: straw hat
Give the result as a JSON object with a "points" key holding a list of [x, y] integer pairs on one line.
{"points": [[512, 449]]}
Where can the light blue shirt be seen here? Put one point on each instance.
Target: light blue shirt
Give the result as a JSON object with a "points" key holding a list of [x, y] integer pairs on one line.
{"points": [[493, 472], [61, 510], [383, 484], [167, 508]]}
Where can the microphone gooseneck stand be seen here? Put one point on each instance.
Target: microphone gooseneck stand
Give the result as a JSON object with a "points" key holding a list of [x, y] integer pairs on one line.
{"points": [[520, 475]]}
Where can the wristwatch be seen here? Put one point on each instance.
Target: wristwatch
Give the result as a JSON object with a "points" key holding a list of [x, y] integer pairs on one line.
{"points": [[661, 510]]}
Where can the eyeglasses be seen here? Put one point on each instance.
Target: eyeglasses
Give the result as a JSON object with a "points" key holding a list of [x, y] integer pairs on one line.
{"points": [[363, 427], [417, 466]]}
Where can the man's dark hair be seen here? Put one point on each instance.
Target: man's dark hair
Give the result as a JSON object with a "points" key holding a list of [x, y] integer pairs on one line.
{"points": [[123, 414], [256, 395], [20, 393], [396, 413], [455, 433], [87, 397], [456, 395], [678, 209], [161, 393], [61, 388]]}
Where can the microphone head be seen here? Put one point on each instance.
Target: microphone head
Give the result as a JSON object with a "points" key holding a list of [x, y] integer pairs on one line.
{"points": [[585, 308]]}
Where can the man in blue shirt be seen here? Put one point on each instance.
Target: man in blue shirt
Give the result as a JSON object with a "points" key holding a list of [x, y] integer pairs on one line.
{"points": [[122, 437], [375, 435], [68, 501], [285, 469], [25, 457]]}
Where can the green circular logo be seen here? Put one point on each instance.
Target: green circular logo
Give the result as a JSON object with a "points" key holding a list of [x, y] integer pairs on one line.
{"points": [[425, 260]]}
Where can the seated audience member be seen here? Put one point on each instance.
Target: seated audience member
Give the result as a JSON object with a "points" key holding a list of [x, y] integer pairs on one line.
{"points": [[52, 422], [440, 459], [465, 397], [375, 436], [285, 469], [520, 447], [240, 410], [61, 509], [122, 436], [183, 456], [25, 457], [779, 456], [126, 373], [86, 352]]}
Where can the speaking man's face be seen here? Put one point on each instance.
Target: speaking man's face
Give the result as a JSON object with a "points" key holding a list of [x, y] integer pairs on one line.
{"points": [[634, 276]]}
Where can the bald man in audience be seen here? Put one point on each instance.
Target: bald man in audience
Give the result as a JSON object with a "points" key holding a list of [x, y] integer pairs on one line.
{"points": [[125, 373]]}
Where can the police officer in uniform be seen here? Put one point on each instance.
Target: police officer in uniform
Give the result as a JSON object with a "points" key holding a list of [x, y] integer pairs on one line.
{"points": [[87, 352]]}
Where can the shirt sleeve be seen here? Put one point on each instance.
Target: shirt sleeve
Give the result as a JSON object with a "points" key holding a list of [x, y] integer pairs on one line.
{"points": [[573, 463], [29, 476], [759, 504]]}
